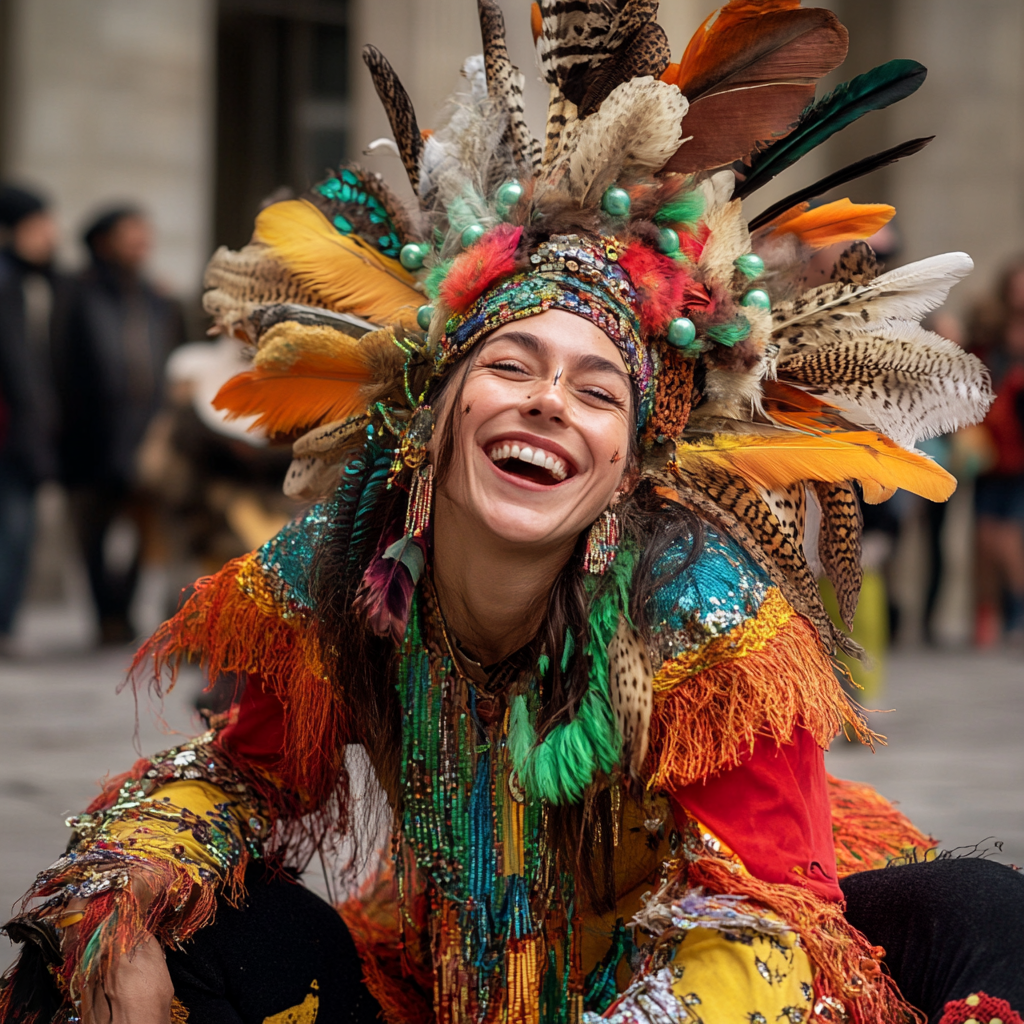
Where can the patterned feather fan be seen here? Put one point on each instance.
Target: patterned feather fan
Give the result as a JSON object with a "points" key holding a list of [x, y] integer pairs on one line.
{"points": [[900, 379], [400, 112], [748, 72], [341, 270]]}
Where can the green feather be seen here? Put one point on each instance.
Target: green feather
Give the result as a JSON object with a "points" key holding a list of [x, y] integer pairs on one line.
{"points": [[570, 646], [874, 90], [435, 278], [685, 211], [729, 334]]}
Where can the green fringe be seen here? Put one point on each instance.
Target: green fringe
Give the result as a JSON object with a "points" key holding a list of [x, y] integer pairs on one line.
{"points": [[560, 767]]}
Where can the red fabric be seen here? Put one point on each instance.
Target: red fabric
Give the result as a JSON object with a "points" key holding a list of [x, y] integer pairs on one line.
{"points": [[256, 736], [773, 812], [1004, 424], [979, 1007]]}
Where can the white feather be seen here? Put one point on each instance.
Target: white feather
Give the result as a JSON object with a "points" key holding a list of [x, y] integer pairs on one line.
{"points": [[899, 379], [906, 293], [637, 126]]}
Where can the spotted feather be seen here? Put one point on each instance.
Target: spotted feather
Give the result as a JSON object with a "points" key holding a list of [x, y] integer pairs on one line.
{"points": [[400, 112], [839, 543], [629, 679]]}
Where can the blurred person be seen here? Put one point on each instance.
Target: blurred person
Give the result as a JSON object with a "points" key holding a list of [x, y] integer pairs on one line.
{"points": [[28, 288], [115, 336], [998, 337]]}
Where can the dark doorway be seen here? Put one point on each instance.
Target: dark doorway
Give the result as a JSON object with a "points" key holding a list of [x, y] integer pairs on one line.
{"points": [[283, 103]]}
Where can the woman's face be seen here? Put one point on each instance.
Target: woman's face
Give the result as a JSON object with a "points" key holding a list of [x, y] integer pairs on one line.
{"points": [[542, 432]]}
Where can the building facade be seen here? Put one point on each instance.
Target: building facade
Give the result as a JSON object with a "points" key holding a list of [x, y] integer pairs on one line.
{"points": [[199, 109]]}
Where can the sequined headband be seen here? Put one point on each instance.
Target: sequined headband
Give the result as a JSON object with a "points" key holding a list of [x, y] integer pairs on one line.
{"points": [[581, 276]]}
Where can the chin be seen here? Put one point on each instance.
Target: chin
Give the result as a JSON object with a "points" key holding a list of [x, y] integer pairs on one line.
{"points": [[528, 526]]}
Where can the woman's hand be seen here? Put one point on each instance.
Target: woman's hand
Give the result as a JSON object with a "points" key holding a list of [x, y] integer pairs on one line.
{"points": [[136, 990]]}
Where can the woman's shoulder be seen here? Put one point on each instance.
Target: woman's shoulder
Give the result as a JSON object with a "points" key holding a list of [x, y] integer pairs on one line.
{"points": [[718, 590], [280, 572]]}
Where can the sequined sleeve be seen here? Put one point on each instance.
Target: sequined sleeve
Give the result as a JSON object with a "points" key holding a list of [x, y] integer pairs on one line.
{"points": [[736, 662]]}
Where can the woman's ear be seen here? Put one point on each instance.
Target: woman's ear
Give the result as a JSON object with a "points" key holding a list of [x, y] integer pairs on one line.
{"points": [[627, 485]]}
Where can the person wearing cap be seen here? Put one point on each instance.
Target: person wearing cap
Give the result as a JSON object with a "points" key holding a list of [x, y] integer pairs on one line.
{"points": [[115, 340], [28, 288]]}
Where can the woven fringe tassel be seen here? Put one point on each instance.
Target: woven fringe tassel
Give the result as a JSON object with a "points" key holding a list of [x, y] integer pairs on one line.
{"points": [[602, 543], [707, 721], [421, 502]]}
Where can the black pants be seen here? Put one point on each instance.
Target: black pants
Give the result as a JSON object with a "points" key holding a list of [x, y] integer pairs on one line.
{"points": [[949, 928], [285, 950]]}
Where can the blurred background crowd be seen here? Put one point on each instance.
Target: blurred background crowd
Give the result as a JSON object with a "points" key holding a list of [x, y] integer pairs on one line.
{"points": [[137, 135]]}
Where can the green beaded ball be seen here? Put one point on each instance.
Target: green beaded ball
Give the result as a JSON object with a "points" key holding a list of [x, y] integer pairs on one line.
{"points": [[668, 241], [751, 265], [472, 234], [682, 334], [508, 195], [413, 254], [423, 317], [616, 201], [758, 298]]}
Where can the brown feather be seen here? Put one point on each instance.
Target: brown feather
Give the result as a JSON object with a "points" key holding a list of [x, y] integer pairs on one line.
{"points": [[839, 543], [748, 75], [629, 682], [400, 112]]}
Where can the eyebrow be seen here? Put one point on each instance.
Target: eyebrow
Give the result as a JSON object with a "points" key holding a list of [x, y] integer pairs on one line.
{"points": [[588, 361]]}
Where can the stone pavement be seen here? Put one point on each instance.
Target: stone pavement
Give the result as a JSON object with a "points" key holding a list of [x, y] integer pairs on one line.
{"points": [[955, 760]]}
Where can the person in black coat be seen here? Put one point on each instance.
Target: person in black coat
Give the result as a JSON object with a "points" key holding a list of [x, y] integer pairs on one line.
{"points": [[28, 413], [116, 333]]}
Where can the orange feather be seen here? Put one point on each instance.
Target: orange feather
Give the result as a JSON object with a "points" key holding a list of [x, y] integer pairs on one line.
{"points": [[536, 22], [348, 274], [840, 221], [791, 407], [302, 377], [748, 72], [880, 466]]}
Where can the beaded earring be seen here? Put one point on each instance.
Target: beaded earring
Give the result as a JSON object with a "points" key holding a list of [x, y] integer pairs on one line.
{"points": [[602, 543]]}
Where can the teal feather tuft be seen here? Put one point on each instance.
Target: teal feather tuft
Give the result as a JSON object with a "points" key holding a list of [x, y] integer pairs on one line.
{"points": [[567, 650], [435, 278], [361, 539], [874, 90], [685, 211], [730, 334]]}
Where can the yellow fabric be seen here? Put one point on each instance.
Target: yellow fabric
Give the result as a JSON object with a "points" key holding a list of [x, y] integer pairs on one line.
{"points": [[754, 634], [754, 980], [305, 1013], [156, 836], [870, 630]]}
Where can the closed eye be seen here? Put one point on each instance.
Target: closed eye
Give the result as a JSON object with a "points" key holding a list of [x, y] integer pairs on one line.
{"points": [[508, 367]]}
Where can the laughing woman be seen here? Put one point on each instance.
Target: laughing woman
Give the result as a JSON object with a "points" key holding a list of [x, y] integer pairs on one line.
{"points": [[563, 444]]}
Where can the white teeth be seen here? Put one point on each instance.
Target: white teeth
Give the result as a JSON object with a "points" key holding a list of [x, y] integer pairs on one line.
{"points": [[555, 466]]}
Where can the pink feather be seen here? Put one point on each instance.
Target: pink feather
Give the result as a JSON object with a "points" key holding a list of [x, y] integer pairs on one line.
{"points": [[483, 263]]}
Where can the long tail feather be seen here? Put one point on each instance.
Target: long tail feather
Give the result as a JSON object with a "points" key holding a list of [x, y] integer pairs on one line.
{"points": [[874, 90], [400, 112], [845, 174]]}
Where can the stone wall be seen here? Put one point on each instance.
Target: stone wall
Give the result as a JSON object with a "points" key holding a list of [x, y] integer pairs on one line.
{"points": [[111, 101]]}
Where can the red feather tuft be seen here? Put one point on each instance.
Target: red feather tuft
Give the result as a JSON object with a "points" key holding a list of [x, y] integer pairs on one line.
{"points": [[483, 263], [660, 283]]}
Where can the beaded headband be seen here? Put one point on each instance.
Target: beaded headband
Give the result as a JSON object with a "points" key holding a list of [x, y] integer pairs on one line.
{"points": [[579, 275]]}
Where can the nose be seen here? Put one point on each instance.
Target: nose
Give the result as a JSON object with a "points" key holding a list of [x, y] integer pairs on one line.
{"points": [[546, 403]]}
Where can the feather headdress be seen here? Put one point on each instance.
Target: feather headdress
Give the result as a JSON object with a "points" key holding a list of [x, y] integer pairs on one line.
{"points": [[765, 397]]}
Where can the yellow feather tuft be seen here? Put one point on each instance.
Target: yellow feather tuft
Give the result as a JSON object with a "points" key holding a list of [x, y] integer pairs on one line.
{"points": [[349, 275], [879, 465], [841, 221]]}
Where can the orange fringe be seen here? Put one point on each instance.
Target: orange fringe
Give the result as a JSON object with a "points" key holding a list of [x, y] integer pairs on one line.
{"points": [[868, 831], [239, 632], [401, 985], [846, 966], [754, 681]]}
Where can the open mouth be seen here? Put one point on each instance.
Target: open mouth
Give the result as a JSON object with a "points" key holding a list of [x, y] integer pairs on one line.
{"points": [[530, 462]]}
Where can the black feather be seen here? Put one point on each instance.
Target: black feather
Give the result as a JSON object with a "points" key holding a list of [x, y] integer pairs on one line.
{"points": [[875, 89], [848, 173]]}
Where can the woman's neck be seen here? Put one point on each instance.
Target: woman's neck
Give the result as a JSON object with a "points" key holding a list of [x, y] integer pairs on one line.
{"points": [[493, 595]]}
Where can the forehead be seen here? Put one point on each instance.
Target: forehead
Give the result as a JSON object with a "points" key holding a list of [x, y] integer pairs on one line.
{"points": [[563, 337]]}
